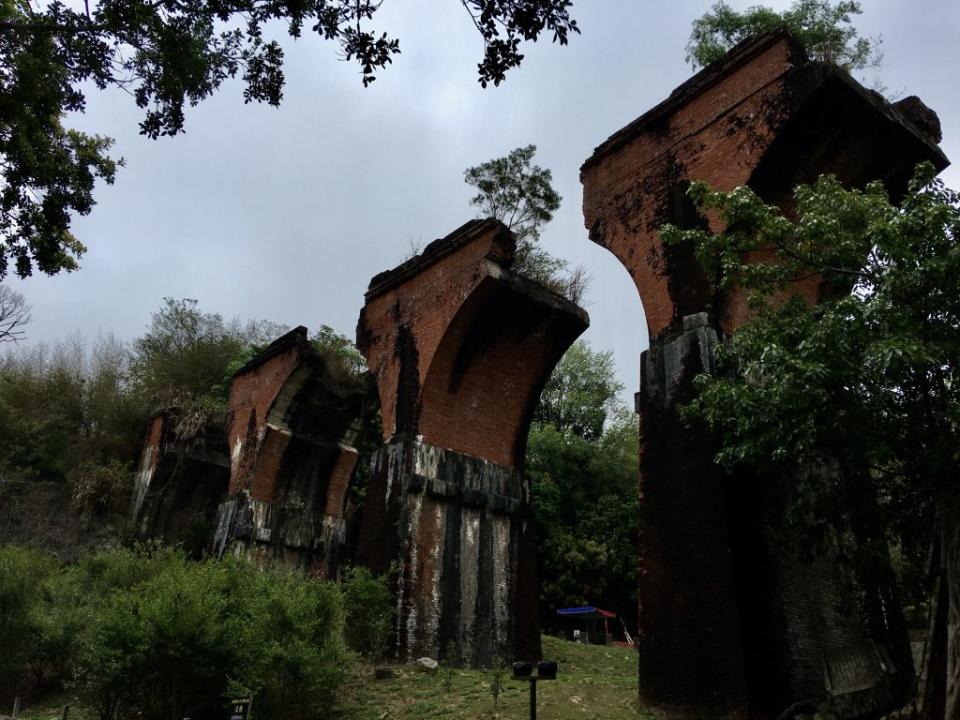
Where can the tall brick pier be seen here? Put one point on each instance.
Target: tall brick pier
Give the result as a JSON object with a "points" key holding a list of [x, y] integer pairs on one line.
{"points": [[732, 623], [460, 347]]}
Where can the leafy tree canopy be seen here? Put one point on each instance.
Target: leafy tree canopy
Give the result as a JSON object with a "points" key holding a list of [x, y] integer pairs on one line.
{"points": [[515, 192], [521, 196], [581, 392], [582, 457], [169, 54], [341, 353], [862, 386], [187, 353], [821, 26]]}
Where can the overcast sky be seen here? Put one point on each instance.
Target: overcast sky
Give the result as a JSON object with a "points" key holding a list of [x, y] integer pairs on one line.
{"points": [[285, 214]]}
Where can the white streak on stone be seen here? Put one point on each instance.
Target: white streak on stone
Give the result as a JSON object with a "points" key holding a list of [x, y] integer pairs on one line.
{"points": [[415, 506], [501, 580], [469, 571]]}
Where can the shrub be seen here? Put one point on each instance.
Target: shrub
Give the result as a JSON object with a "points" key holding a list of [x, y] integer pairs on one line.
{"points": [[146, 632], [370, 611], [22, 571], [292, 657], [162, 648], [100, 487]]}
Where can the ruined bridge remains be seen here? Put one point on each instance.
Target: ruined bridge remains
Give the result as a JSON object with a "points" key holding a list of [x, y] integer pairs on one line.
{"points": [[179, 484], [271, 483], [732, 623], [460, 348], [291, 429]]}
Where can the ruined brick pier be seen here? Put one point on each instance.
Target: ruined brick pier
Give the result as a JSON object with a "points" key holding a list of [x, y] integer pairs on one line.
{"points": [[290, 428], [460, 348], [732, 623]]}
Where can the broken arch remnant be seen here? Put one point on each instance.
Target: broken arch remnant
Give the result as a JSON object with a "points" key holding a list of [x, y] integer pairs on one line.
{"points": [[732, 624], [291, 428], [460, 348]]}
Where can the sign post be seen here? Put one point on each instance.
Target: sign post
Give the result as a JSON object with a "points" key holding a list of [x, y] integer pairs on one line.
{"points": [[240, 709], [545, 671]]}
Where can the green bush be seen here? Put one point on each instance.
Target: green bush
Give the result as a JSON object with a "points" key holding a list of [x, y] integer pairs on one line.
{"points": [[41, 620], [147, 632], [160, 647], [370, 611], [22, 572], [292, 657]]}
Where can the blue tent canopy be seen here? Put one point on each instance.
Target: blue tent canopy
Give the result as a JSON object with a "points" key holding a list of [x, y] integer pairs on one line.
{"points": [[585, 611]]}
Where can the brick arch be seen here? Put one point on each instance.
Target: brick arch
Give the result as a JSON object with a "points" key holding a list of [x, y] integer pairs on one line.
{"points": [[731, 623], [290, 429], [460, 348], [312, 404], [764, 116], [487, 373]]}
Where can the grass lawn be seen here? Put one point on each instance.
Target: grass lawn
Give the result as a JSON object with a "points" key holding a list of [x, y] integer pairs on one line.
{"points": [[593, 683]]}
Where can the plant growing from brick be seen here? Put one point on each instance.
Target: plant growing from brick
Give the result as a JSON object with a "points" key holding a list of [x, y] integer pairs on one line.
{"points": [[521, 196], [823, 27]]}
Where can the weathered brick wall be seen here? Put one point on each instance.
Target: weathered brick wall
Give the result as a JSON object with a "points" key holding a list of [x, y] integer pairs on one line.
{"points": [[434, 287], [732, 625], [177, 489], [252, 394], [763, 116], [288, 425], [154, 448], [460, 348]]}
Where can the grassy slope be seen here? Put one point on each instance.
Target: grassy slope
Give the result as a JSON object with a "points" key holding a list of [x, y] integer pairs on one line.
{"points": [[593, 683]]}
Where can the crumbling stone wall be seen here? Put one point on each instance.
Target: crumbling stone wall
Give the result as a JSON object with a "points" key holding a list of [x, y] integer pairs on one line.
{"points": [[178, 486], [732, 625], [460, 348], [291, 428]]}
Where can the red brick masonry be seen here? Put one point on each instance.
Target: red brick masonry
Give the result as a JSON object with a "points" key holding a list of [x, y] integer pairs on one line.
{"points": [[460, 348], [732, 624]]}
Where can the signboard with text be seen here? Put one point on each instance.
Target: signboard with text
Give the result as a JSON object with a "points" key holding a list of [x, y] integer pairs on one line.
{"points": [[240, 709]]}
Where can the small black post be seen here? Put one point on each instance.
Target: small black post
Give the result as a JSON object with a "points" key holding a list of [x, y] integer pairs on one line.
{"points": [[66, 712], [533, 697]]}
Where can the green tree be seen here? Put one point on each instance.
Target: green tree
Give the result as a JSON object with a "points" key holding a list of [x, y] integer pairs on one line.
{"points": [[343, 358], [185, 353], [581, 392], [860, 390], [821, 26], [168, 54], [582, 458], [41, 411], [22, 572], [370, 611], [521, 196]]}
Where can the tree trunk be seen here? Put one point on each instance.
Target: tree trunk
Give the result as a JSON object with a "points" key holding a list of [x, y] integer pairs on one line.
{"points": [[951, 554], [940, 681]]}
